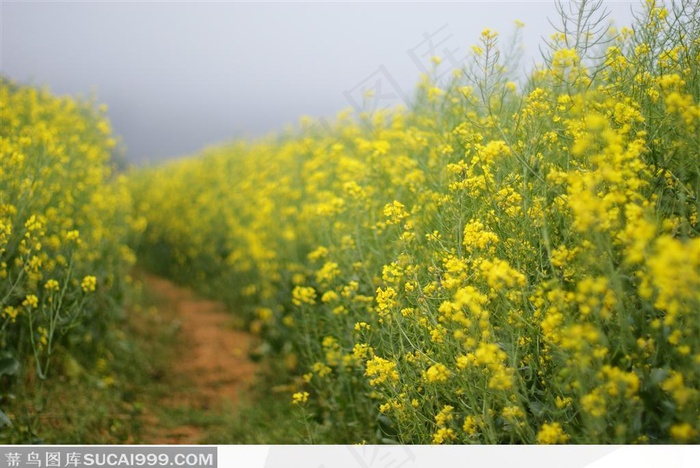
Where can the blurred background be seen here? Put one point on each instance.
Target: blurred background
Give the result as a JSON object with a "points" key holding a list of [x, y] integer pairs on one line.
{"points": [[178, 76]]}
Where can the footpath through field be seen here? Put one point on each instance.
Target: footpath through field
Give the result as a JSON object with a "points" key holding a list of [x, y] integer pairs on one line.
{"points": [[208, 374]]}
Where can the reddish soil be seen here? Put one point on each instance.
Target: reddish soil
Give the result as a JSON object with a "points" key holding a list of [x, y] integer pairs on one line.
{"points": [[213, 365]]}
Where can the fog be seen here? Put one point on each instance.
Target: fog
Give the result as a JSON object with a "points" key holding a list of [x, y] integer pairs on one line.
{"points": [[177, 76]]}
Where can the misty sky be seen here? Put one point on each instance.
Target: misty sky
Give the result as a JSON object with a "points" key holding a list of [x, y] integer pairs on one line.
{"points": [[178, 76]]}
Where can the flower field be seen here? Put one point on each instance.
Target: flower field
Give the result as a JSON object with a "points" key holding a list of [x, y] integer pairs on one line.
{"points": [[504, 261], [65, 220], [497, 264]]}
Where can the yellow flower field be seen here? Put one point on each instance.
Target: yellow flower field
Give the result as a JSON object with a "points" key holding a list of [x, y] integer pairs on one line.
{"points": [[506, 260], [65, 220], [497, 264]]}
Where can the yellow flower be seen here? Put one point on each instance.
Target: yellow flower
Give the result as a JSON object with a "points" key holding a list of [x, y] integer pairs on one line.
{"points": [[300, 397], [436, 373], [329, 296], [359, 326], [594, 404], [395, 212], [444, 435], [674, 384], [73, 235], [512, 413], [477, 237], [386, 299], [380, 370], [683, 432], [89, 283], [321, 369], [551, 433], [303, 295], [361, 351], [444, 416], [319, 253], [10, 312], [488, 34], [471, 425], [328, 273], [31, 301]]}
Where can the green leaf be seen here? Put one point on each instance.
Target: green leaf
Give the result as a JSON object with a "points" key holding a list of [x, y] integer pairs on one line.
{"points": [[385, 422], [4, 420], [9, 366], [658, 376], [537, 408]]}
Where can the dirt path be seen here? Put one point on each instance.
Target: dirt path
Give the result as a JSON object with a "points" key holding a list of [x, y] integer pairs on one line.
{"points": [[212, 368]]}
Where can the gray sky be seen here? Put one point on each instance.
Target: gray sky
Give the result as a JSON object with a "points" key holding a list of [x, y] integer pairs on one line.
{"points": [[178, 76]]}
